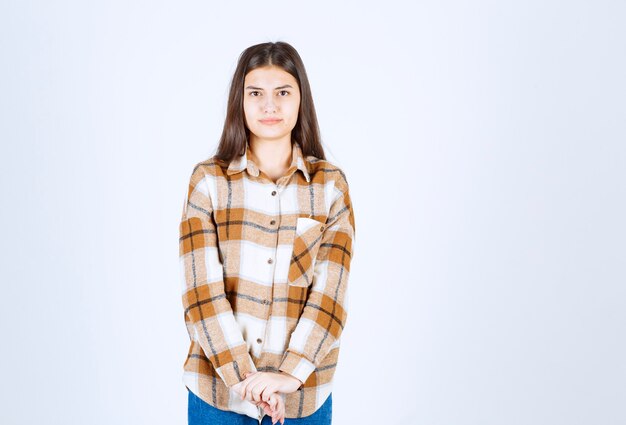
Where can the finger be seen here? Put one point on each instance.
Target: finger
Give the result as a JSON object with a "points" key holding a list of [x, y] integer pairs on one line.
{"points": [[242, 388], [246, 391], [276, 416], [277, 401], [274, 404], [252, 393], [271, 402], [273, 416], [250, 383], [278, 410], [267, 392], [260, 386], [264, 406], [266, 409], [281, 408], [257, 390], [246, 385]]}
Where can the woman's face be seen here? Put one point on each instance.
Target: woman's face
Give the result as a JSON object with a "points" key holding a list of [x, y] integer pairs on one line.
{"points": [[270, 93]]}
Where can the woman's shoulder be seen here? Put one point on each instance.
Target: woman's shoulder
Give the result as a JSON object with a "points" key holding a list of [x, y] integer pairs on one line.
{"points": [[210, 166], [326, 171]]}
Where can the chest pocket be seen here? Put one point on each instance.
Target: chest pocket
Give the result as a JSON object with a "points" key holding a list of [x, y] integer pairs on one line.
{"points": [[306, 244]]}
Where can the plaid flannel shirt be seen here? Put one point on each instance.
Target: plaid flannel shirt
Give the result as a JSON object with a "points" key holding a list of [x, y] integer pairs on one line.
{"points": [[265, 270]]}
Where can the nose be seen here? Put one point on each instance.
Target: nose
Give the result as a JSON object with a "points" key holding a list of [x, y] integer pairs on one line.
{"points": [[270, 107]]}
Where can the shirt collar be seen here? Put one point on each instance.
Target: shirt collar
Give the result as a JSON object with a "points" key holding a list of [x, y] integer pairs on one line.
{"points": [[245, 162]]}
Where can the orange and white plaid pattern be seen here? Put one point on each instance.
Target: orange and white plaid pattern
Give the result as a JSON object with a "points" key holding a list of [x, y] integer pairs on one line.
{"points": [[265, 270]]}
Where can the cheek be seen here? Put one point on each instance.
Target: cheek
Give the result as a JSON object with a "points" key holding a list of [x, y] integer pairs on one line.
{"points": [[248, 111], [293, 109], [247, 119]]}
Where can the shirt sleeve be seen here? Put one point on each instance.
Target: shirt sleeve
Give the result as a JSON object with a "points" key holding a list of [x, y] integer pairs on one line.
{"points": [[207, 310], [324, 315]]}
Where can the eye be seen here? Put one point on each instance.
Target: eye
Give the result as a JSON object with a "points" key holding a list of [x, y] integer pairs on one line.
{"points": [[284, 91], [252, 93]]}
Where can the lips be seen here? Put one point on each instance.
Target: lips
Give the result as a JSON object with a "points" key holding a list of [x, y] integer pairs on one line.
{"points": [[270, 120]]}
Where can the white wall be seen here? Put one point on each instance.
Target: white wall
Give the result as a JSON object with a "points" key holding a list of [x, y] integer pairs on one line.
{"points": [[484, 143]]}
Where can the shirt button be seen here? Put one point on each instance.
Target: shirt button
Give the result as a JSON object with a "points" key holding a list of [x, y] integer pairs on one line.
{"points": [[321, 228], [269, 260], [273, 192], [259, 340], [273, 222]]}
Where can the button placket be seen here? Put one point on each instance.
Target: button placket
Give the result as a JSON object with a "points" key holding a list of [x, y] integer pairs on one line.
{"points": [[275, 224], [272, 222]]}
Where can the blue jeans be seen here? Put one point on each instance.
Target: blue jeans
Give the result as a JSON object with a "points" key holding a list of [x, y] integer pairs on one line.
{"points": [[202, 413]]}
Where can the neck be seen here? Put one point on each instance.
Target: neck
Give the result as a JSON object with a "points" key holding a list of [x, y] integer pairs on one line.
{"points": [[271, 154]]}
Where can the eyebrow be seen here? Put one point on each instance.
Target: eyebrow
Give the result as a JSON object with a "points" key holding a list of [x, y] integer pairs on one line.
{"points": [[277, 88]]}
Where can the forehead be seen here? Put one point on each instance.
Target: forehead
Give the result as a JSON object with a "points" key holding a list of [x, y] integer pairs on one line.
{"points": [[271, 76]]}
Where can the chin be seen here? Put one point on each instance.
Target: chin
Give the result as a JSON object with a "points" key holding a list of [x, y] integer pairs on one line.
{"points": [[271, 134]]}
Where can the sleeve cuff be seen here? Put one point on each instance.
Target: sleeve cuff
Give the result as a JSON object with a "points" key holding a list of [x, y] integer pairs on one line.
{"points": [[235, 371], [296, 365]]}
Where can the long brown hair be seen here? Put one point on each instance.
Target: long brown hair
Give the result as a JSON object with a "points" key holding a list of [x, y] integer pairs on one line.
{"points": [[235, 134]]}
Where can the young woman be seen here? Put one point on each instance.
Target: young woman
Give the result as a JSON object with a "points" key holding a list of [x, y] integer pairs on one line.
{"points": [[266, 241]]}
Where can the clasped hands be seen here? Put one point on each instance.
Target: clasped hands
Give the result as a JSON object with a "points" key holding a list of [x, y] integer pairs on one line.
{"points": [[263, 388]]}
